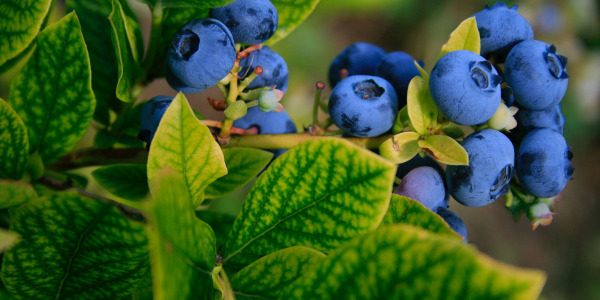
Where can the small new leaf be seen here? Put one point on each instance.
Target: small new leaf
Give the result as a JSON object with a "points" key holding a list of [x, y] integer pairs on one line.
{"points": [[422, 110], [402, 120], [401, 147], [445, 150], [291, 15], [404, 210], [14, 146], [464, 37]]}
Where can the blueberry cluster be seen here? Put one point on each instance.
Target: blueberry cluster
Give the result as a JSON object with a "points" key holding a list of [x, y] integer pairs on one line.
{"points": [[205, 52]]}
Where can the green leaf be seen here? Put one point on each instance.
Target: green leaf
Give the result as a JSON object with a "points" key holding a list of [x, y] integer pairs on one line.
{"points": [[184, 144], [76, 243], [97, 34], [423, 73], [182, 247], [319, 194], [14, 146], [124, 50], [400, 147], [127, 181], [243, 164], [188, 3], [402, 120], [7, 239], [53, 93], [20, 23], [405, 262], [220, 223], [291, 15], [464, 37], [134, 33], [271, 274], [404, 210], [15, 193], [454, 131], [422, 110], [445, 150]]}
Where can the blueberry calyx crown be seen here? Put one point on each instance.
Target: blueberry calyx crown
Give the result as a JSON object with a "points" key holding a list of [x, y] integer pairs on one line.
{"points": [[501, 4], [186, 44], [500, 187], [481, 73], [569, 169], [557, 63], [368, 89]]}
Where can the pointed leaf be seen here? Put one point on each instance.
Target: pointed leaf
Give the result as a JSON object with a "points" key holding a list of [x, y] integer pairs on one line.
{"points": [[182, 247], [243, 164], [271, 274], [15, 193], [423, 73], [400, 147], [319, 194], [445, 150], [14, 146], [126, 62], [464, 37], [402, 120], [184, 144], [405, 262], [76, 243], [422, 110], [404, 210], [20, 23], [127, 181], [53, 93], [291, 15]]}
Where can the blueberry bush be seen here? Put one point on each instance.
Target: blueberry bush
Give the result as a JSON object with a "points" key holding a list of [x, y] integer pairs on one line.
{"points": [[353, 207]]}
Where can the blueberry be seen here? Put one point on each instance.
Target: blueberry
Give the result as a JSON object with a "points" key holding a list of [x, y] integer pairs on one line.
{"points": [[201, 54], [177, 85], [275, 70], [250, 21], [399, 69], [544, 163], [363, 106], [151, 114], [357, 59], [536, 74], [465, 87], [425, 185], [551, 118], [491, 165], [500, 29], [454, 221], [267, 123], [419, 161]]}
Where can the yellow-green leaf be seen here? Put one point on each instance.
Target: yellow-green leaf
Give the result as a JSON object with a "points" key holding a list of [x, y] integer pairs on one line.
{"points": [[124, 50], [182, 247], [319, 194], [185, 145], [445, 150], [422, 111], [464, 37], [53, 93], [400, 147], [20, 23], [14, 193], [405, 262], [291, 15], [423, 73], [271, 274], [14, 146], [75, 243], [404, 210], [402, 120]]}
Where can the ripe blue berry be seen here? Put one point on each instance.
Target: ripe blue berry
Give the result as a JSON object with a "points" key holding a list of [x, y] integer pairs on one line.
{"points": [[356, 59], [152, 113], [551, 118], [454, 221], [465, 87], [536, 74], [177, 85], [202, 53], [491, 164], [399, 69], [267, 123], [250, 21], [364, 106], [544, 163], [425, 185], [275, 70], [500, 29], [419, 161]]}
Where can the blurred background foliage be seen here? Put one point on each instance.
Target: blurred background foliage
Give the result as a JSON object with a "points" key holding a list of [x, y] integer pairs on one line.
{"points": [[568, 250]]}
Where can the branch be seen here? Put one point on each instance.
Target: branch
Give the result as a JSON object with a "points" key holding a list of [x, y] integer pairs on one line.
{"points": [[286, 141], [100, 157]]}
